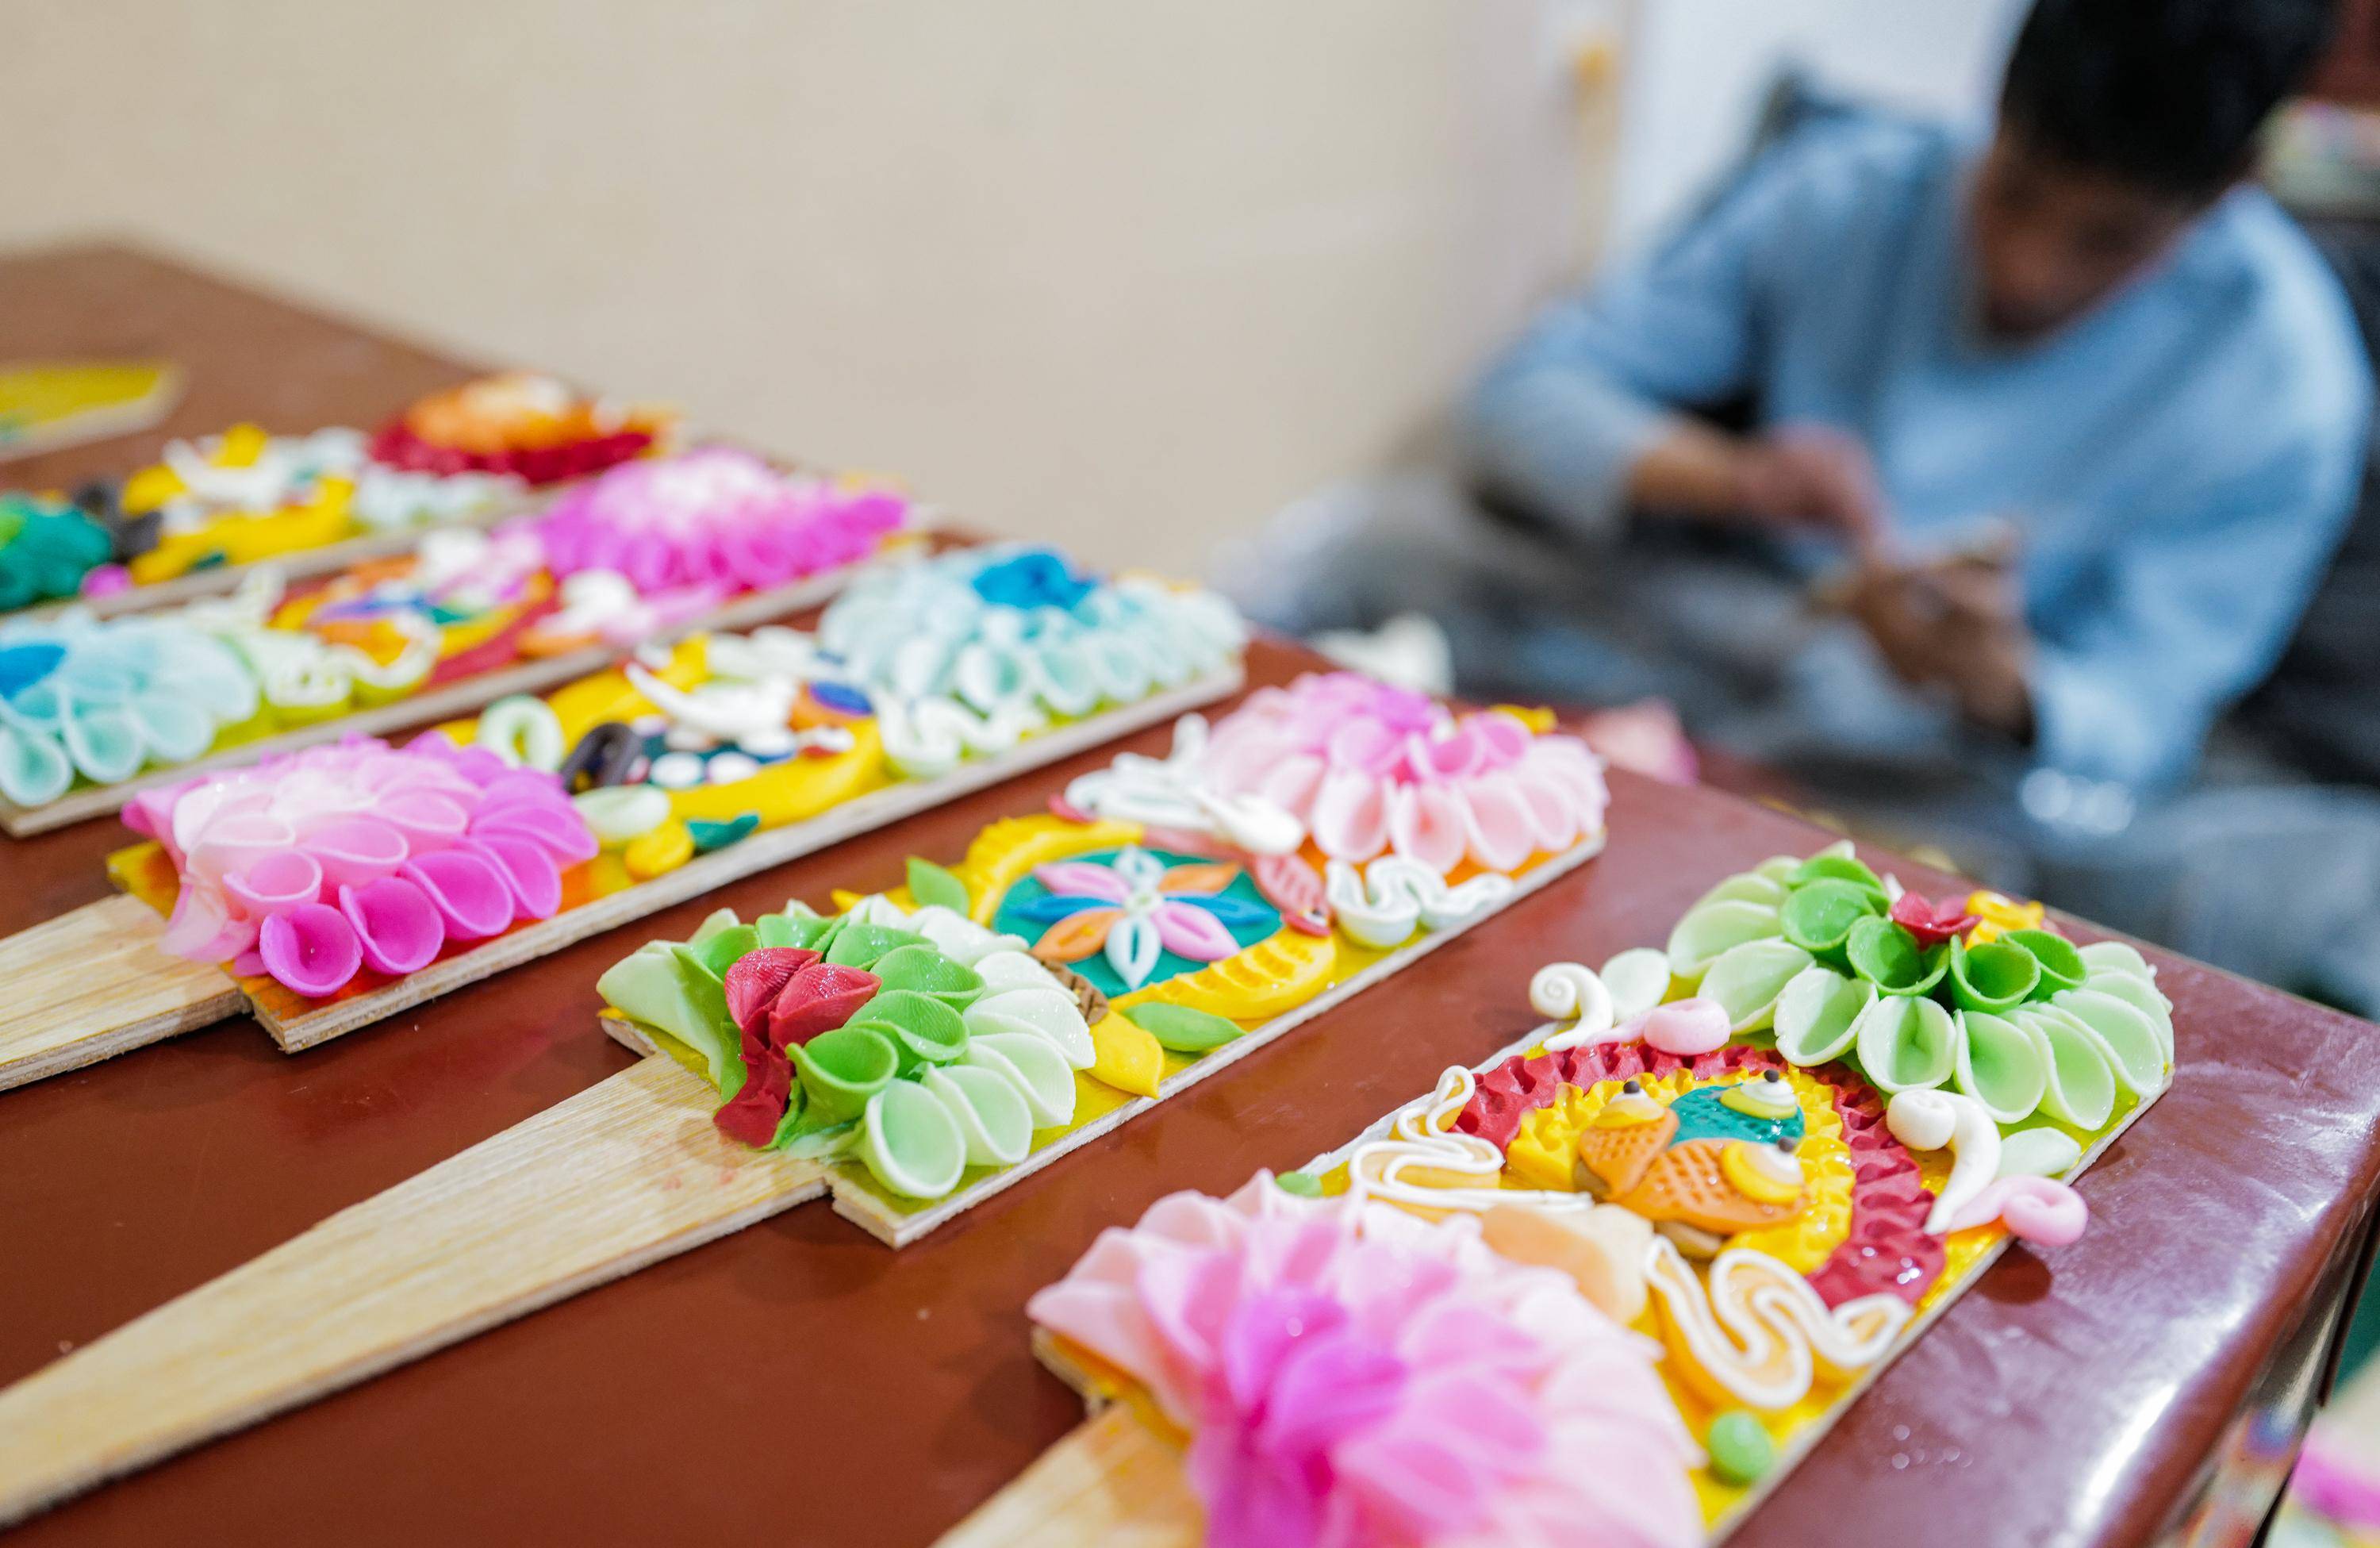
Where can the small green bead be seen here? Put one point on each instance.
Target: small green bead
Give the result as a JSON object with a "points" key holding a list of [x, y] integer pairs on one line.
{"points": [[1742, 1450], [1306, 1185]]}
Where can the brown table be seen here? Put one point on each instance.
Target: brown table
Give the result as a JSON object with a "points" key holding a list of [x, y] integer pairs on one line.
{"points": [[801, 1383]]}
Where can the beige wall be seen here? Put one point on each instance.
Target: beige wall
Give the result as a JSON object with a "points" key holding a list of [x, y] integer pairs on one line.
{"points": [[1127, 273]]}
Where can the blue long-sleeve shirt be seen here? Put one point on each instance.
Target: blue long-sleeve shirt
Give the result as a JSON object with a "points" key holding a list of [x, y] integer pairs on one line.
{"points": [[2179, 462]]}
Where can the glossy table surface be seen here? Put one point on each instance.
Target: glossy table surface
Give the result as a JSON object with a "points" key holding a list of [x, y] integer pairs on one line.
{"points": [[801, 1383]]}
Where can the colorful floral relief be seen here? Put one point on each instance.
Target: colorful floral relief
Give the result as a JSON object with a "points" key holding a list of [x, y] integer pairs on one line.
{"points": [[1370, 770], [316, 867], [1771, 1225], [246, 496], [1351, 1375], [1172, 943], [972, 650], [1134, 907], [639, 550]]}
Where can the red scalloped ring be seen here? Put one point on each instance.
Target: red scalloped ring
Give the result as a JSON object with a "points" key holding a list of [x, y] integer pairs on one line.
{"points": [[397, 447], [1886, 1251]]}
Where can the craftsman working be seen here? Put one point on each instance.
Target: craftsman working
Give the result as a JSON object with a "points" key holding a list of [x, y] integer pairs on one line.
{"points": [[2052, 435]]}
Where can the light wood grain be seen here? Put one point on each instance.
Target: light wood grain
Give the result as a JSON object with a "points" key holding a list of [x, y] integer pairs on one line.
{"points": [[619, 1176], [1111, 1483], [48, 1023], [439, 704], [95, 982]]}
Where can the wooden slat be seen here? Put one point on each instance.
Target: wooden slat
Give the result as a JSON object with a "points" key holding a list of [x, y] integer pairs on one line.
{"points": [[621, 1176], [1111, 1483], [93, 984], [613, 1179]]}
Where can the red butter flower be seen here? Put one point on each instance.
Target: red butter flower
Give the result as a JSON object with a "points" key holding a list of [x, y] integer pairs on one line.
{"points": [[756, 978], [819, 999], [1931, 923], [812, 997]]}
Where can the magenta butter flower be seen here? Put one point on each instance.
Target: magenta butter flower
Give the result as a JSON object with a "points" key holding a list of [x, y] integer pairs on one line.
{"points": [[315, 865], [1356, 1377], [714, 519], [1368, 768]]}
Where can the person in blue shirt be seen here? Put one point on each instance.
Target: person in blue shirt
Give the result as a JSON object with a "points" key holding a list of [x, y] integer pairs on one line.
{"points": [[2053, 434]]}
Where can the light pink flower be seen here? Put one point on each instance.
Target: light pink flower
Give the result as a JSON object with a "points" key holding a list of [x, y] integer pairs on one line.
{"points": [[1370, 769], [1357, 1377], [316, 864]]}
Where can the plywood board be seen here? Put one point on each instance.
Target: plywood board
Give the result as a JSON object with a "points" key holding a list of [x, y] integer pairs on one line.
{"points": [[613, 1179], [900, 1227]]}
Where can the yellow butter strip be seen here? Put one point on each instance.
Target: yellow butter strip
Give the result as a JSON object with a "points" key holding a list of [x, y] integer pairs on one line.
{"points": [[664, 849], [689, 662], [1004, 853], [243, 538], [1537, 718], [241, 445], [1740, 1165], [1128, 1057], [1999, 914], [793, 789], [591, 701], [1257, 984]]}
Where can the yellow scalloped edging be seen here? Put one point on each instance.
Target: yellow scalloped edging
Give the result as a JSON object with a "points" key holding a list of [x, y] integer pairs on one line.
{"points": [[1002, 854]]}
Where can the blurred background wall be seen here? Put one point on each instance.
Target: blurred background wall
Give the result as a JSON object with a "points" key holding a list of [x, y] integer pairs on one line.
{"points": [[1127, 277]]}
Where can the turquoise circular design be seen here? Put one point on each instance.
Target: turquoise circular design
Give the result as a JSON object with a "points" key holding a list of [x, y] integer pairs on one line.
{"points": [[1259, 921]]}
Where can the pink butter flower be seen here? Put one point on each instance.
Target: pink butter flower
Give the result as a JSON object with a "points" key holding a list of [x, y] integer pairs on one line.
{"points": [[714, 520], [315, 865], [1370, 769], [1355, 1377]]}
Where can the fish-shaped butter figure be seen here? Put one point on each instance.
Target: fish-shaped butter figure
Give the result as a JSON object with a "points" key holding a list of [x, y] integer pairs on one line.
{"points": [[1621, 1141], [1701, 1192]]}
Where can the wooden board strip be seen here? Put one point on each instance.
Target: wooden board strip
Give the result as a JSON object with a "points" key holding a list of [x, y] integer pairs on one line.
{"points": [[601, 1184], [94, 983], [142, 994], [1111, 1483], [439, 703], [707, 873]]}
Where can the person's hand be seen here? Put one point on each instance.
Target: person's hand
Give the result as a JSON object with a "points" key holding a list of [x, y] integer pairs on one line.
{"points": [[1813, 477], [1958, 623], [1797, 478]]}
